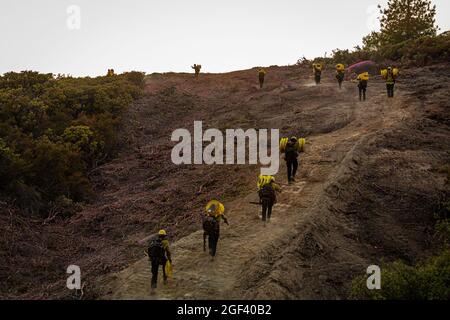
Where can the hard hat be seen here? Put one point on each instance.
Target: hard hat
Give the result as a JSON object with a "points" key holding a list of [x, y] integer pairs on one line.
{"points": [[294, 139], [389, 68], [162, 232]]}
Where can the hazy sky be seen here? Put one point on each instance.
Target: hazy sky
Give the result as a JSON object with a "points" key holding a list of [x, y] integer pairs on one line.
{"points": [[171, 35]]}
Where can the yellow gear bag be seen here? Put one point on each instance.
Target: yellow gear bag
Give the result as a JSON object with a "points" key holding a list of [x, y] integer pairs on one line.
{"points": [[317, 66], [263, 180], [300, 144], [220, 208], [363, 76], [384, 72], [340, 67], [283, 143], [168, 269]]}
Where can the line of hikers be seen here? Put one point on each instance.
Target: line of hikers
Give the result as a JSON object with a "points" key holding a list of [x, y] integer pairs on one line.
{"points": [[158, 246], [389, 75]]}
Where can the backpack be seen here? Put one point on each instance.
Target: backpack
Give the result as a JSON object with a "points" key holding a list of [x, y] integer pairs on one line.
{"points": [[155, 248], [210, 224], [291, 151], [362, 84], [267, 192], [263, 180]]}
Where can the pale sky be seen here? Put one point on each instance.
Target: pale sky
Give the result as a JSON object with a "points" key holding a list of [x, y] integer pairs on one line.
{"points": [[171, 35]]}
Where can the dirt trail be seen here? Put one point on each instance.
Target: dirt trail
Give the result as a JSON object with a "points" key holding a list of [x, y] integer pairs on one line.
{"points": [[252, 258]]}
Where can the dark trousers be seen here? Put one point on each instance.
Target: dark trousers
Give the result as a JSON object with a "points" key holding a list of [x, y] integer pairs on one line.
{"points": [[362, 93], [267, 205], [261, 81], [340, 79], [292, 166], [317, 78], [155, 267], [213, 239], [390, 90]]}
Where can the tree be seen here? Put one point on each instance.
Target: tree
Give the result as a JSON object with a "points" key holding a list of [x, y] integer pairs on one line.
{"points": [[82, 139], [403, 20], [11, 165]]}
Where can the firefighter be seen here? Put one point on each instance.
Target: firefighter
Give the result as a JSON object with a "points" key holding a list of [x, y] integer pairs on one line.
{"points": [[261, 75], [159, 254], [196, 68], [268, 197], [363, 79]]}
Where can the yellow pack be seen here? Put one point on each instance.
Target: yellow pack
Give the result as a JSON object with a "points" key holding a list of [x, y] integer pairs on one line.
{"points": [[384, 72], [317, 66], [168, 269], [263, 180], [340, 67], [283, 143], [219, 207], [363, 76], [301, 144]]}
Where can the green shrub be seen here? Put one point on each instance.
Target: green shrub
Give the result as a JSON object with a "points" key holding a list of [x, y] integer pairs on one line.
{"points": [[417, 52], [348, 57], [422, 51], [52, 166], [82, 140], [11, 165], [443, 230], [53, 130], [426, 281]]}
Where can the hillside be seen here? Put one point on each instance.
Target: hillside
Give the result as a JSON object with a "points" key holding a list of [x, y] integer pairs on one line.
{"points": [[368, 183]]}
